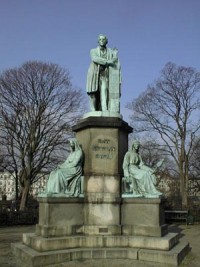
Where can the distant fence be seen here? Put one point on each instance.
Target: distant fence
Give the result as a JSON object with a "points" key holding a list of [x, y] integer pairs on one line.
{"points": [[10, 214], [175, 204], [18, 217]]}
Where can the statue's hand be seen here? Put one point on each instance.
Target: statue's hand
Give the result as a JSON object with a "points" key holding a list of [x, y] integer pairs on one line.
{"points": [[111, 62], [127, 179], [159, 163]]}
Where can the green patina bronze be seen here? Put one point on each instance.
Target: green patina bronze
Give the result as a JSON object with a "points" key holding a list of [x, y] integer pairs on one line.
{"points": [[140, 178], [66, 179], [104, 78]]}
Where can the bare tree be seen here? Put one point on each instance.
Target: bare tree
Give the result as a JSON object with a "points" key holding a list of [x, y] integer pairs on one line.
{"points": [[38, 107], [194, 167], [195, 160], [151, 152], [170, 109]]}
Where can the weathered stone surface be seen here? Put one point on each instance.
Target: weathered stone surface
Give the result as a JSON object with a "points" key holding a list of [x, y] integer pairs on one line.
{"points": [[59, 216], [145, 230], [39, 259], [142, 216], [174, 256], [95, 241], [110, 114], [101, 229], [101, 214], [104, 142], [103, 184]]}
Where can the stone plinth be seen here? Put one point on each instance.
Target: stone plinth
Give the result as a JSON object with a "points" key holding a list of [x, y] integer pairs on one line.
{"points": [[62, 236], [95, 241], [104, 141], [143, 216], [59, 216], [38, 251]]}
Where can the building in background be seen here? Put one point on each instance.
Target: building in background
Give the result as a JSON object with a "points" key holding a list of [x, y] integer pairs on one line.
{"points": [[7, 185], [168, 185]]}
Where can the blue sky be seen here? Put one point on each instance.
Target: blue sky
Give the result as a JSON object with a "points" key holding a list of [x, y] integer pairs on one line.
{"points": [[147, 33]]}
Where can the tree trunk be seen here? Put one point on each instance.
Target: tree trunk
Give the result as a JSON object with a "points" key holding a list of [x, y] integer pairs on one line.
{"points": [[183, 185], [24, 198], [184, 200], [184, 191], [16, 189]]}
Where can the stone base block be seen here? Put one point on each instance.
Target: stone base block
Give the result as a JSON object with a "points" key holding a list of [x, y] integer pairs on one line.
{"points": [[102, 114], [59, 216], [104, 214], [145, 230], [33, 258], [97, 184], [49, 244], [55, 231], [149, 211], [58, 210], [173, 257]]}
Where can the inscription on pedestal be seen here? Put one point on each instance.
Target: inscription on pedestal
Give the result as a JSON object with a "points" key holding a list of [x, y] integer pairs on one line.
{"points": [[103, 149], [103, 152]]}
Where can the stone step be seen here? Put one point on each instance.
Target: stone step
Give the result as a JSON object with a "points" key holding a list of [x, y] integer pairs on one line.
{"points": [[68, 242], [34, 258], [174, 256]]}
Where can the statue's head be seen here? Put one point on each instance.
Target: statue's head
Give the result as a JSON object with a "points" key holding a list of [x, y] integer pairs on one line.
{"points": [[136, 144], [74, 143], [102, 40]]}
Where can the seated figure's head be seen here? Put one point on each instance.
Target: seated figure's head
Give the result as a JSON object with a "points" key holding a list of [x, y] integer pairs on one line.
{"points": [[74, 144], [136, 145]]}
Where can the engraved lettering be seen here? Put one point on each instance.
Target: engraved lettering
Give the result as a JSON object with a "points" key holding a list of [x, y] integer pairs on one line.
{"points": [[104, 156], [103, 141], [103, 149]]}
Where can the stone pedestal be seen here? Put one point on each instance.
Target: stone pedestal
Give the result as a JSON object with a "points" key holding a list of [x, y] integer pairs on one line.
{"points": [[59, 216], [143, 216], [104, 141], [101, 224], [61, 237]]}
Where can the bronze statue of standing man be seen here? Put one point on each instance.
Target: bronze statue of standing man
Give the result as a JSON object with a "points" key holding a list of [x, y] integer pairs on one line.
{"points": [[103, 71]]}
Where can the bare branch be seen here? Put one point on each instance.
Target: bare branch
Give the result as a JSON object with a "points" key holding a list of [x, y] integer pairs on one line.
{"points": [[171, 109], [38, 107]]}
